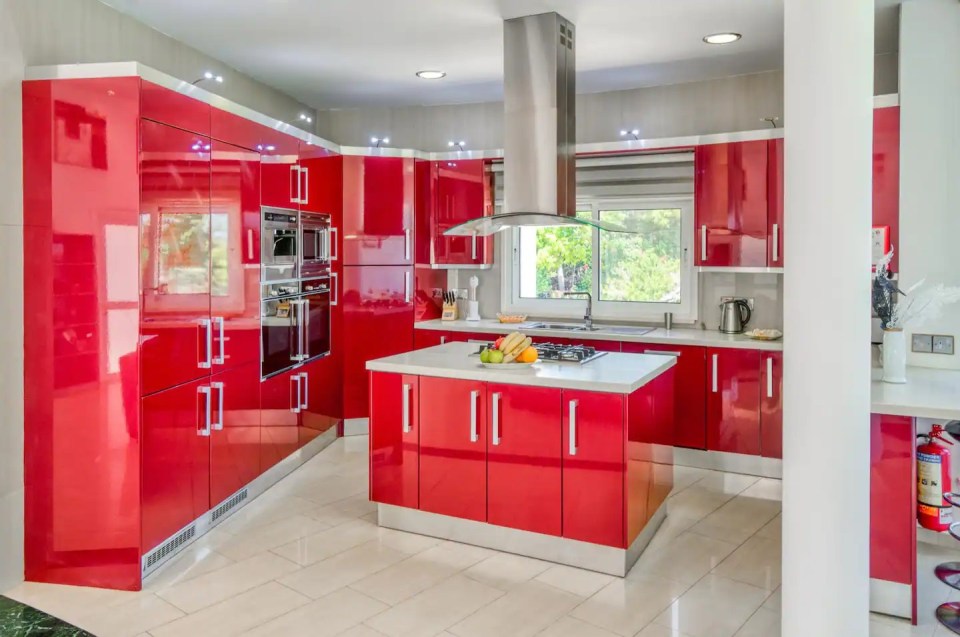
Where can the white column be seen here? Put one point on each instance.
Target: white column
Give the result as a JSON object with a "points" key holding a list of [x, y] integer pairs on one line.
{"points": [[828, 89]]}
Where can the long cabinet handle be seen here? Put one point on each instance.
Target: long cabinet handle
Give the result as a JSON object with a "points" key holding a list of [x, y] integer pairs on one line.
{"points": [[573, 426], [406, 244], [406, 287], [661, 352], [405, 400], [496, 418], [205, 430], [474, 433], [703, 243], [334, 296], [305, 390], [295, 408], [207, 362], [714, 381], [333, 252], [306, 329], [776, 242], [305, 193], [770, 377], [221, 356], [218, 425], [294, 177], [473, 247]]}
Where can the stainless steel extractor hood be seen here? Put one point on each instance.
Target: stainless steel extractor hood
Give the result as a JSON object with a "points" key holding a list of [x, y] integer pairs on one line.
{"points": [[540, 129]]}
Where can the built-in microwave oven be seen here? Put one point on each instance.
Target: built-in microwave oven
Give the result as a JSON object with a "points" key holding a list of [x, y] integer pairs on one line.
{"points": [[280, 241], [316, 244]]}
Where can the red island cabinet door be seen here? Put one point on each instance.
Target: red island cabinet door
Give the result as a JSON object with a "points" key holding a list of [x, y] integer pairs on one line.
{"points": [[523, 458], [453, 447], [175, 469], [280, 409], [378, 210], [429, 338], [394, 439], [731, 204], [176, 334], [893, 496], [593, 467], [690, 392], [733, 400], [235, 436], [775, 203], [771, 405]]}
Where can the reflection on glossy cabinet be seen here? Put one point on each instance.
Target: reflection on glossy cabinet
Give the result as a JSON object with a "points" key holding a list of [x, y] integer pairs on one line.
{"points": [[235, 430], [173, 108], [731, 204], [378, 210], [176, 335], [893, 494], [733, 400], [175, 459], [771, 404], [593, 467], [280, 180], [886, 174], [322, 175], [322, 397], [460, 194], [280, 410], [453, 447], [523, 457], [394, 439]]}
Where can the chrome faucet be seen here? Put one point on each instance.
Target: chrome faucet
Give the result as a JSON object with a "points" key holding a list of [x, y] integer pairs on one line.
{"points": [[588, 317]]}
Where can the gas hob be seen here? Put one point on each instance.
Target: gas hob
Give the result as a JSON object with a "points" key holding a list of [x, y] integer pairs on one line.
{"points": [[577, 354]]}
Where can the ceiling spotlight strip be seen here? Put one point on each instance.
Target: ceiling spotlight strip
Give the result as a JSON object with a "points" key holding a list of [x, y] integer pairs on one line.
{"points": [[208, 75], [722, 38], [635, 133], [431, 75], [460, 145], [377, 141]]}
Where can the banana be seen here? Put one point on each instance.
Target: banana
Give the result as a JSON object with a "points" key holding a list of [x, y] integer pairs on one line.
{"points": [[510, 341], [517, 350]]}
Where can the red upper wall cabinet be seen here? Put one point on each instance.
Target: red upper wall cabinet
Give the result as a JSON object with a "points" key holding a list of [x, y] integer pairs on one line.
{"points": [[281, 182], [378, 210], [886, 175], [731, 204], [322, 177], [176, 109], [775, 203], [460, 197], [733, 400]]}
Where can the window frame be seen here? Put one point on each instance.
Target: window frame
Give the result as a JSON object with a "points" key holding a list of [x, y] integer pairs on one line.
{"points": [[573, 308]]}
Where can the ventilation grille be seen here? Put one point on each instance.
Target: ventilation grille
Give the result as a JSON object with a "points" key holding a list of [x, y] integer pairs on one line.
{"points": [[169, 547], [225, 508]]}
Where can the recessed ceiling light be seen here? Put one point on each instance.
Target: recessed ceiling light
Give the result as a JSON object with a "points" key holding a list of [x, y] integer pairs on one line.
{"points": [[430, 75], [722, 38]]}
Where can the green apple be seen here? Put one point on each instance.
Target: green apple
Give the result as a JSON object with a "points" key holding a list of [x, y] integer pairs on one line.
{"points": [[485, 356], [496, 356]]}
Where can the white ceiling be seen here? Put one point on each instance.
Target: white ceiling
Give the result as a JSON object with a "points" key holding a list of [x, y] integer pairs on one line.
{"points": [[342, 53]]}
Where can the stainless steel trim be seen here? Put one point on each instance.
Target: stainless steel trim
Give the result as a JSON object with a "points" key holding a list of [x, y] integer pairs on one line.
{"points": [[406, 243], [446, 266], [739, 268], [218, 426], [296, 404], [405, 401], [776, 242], [335, 294], [406, 287], [573, 426], [661, 352], [305, 401], [714, 380], [208, 340], [205, 390], [332, 235], [305, 195], [769, 376], [219, 360], [496, 418], [474, 433], [703, 243], [473, 247]]}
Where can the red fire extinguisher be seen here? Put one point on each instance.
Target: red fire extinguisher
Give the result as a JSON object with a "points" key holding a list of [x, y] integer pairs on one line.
{"points": [[933, 481]]}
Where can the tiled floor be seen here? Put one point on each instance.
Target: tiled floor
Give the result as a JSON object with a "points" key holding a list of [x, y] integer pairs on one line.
{"points": [[307, 558]]}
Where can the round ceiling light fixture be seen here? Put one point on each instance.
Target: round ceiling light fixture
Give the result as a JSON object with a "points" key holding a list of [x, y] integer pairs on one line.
{"points": [[430, 75], [722, 38]]}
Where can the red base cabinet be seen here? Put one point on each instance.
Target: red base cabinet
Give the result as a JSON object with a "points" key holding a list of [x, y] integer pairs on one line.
{"points": [[893, 494], [771, 404], [453, 447], [428, 338], [395, 442], [523, 458], [235, 435], [280, 411], [733, 400]]}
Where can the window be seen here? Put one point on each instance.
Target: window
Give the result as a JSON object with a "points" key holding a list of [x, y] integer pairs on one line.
{"points": [[631, 276]]}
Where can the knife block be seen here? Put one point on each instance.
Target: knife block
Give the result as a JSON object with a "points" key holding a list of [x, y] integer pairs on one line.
{"points": [[449, 312]]}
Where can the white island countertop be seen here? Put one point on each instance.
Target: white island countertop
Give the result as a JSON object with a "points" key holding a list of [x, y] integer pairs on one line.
{"points": [[612, 373], [928, 393], [676, 336]]}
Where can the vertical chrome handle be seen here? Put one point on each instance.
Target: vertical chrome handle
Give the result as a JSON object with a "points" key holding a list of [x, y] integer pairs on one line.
{"points": [[332, 235], [703, 243], [770, 377], [473, 247], [406, 408], [443, 339], [496, 418], [300, 331], [205, 431], [714, 382], [221, 357], [207, 362], [305, 387], [474, 433], [335, 277], [406, 287], [306, 329], [776, 242], [294, 176], [573, 426], [217, 426], [295, 408], [250, 255], [305, 193], [406, 243]]}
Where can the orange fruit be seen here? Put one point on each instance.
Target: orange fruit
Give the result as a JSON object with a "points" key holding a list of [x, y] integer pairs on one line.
{"points": [[528, 355]]}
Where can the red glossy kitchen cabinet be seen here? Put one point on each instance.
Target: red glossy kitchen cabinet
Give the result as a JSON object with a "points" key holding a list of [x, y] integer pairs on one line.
{"points": [[378, 210], [322, 401], [234, 255], [775, 203], [394, 439], [893, 496], [690, 397], [281, 400], [176, 333], [235, 430], [453, 447], [523, 457], [886, 175], [460, 195], [771, 404], [281, 182], [429, 338], [322, 176], [160, 104], [593, 467], [378, 321], [175, 482], [733, 400], [731, 204]]}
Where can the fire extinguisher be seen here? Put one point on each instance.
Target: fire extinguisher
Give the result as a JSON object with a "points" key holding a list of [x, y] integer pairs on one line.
{"points": [[933, 481]]}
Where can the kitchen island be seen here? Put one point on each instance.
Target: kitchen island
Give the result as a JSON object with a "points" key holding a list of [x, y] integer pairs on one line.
{"points": [[565, 462]]}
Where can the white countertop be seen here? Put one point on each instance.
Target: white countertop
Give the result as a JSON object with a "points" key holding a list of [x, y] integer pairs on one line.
{"points": [[676, 336], [928, 393], [613, 373]]}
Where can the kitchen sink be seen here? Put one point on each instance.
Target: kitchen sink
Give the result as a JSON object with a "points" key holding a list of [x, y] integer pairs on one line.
{"points": [[632, 331], [570, 327]]}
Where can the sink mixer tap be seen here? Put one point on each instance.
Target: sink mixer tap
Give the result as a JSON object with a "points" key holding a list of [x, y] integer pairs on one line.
{"points": [[588, 317]]}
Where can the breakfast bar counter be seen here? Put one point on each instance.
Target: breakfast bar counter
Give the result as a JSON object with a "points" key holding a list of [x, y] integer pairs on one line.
{"points": [[565, 462]]}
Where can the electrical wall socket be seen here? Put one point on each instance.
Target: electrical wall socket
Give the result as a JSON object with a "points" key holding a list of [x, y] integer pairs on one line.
{"points": [[749, 300], [922, 343], [943, 345]]}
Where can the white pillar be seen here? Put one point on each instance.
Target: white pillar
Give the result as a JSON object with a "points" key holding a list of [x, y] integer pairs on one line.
{"points": [[828, 89]]}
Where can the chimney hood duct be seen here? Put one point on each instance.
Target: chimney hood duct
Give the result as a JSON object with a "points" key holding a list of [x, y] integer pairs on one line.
{"points": [[539, 98]]}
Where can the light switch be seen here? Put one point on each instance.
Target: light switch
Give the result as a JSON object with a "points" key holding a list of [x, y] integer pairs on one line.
{"points": [[922, 343], [943, 345]]}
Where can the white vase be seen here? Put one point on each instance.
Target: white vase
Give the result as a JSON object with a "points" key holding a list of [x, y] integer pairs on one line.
{"points": [[894, 356]]}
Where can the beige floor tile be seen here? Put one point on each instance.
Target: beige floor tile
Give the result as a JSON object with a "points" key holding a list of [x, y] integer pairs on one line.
{"points": [[409, 543], [696, 502], [686, 559], [883, 626], [437, 608], [729, 483], [669, 530], [624, 606], [70, 603], [129, 618], [684, 477], [327, 490], [361, 631], [574, 580], [319, 546], [264, 538], [713, 607], [330, 615], [738, 519], [570, 627], [194, 561], [656, 630], [266, 509], [765, 489], [763, 623], [342, 569], [506, 571], [773, 601], [755, 562], [237, 614], [227, 582], [526, 610], [773, 528]]}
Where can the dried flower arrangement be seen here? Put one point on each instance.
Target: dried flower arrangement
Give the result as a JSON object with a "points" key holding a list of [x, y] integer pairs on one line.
{"points": [[922, 303]]}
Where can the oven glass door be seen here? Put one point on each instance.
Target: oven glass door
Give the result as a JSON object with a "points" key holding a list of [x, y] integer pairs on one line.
{"points": [[281, 334], [314, 250], [316, 326]]}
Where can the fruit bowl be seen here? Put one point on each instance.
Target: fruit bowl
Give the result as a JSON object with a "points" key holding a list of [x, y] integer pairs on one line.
{"points": [[514, 351], [508, 367], [511, 318]]}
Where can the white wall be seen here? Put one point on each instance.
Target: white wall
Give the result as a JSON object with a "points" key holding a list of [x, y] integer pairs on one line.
{"points": [[930, 156], [36, 32]]}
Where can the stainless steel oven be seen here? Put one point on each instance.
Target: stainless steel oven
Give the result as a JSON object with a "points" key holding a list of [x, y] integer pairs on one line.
{"points": [[295, 328], [316, 244], [279, 241]]}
